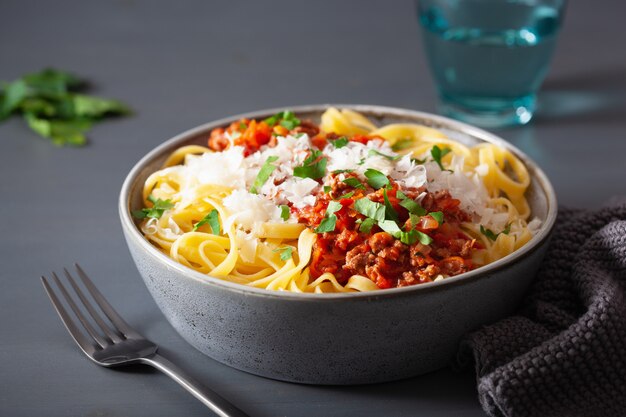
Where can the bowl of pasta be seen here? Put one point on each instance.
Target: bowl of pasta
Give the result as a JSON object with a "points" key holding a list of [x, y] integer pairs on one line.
{"points": [[343, 244]]}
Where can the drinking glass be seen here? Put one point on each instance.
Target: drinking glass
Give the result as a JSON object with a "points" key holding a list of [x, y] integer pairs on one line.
{"points": [[489, 57]]}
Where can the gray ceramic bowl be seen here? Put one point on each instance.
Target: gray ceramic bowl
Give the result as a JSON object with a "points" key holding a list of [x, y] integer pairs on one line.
{"points": [[351, 338]]}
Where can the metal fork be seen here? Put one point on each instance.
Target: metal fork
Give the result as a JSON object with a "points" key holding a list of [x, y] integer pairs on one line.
{"points": [[120, 344]]}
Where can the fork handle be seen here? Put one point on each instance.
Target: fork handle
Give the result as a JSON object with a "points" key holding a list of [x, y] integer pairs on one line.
{"points": [[208, 397]]}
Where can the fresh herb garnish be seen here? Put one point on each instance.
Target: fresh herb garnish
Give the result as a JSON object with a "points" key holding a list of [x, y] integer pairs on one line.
{"points": [[424, 238], [370, 209], [437, 153], [491, 235], [285, 252], [310, 168], [212, 219], [418, 161], [286, 119], [330, 219], [52, 106], [366, 225], [413, 207], [284, 212], [264, 174], [390, 212], [346, 195], [402, 144], [327, 189], [340, 142], [242, 126], [407, 238], [437, 215], [353, 182], [376, 179], [389, 157], [342, 171], [156, 211]]}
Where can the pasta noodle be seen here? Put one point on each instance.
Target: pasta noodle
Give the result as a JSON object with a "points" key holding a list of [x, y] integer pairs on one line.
{"points": [[262, 205]]}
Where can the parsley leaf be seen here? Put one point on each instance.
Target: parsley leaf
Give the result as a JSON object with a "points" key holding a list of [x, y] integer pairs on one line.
{"points": [[284, 212], [156, 211], [212, 219], [402, 144], [407, 238], [330, 220], [413, 207], [376, 179], [389, 157], [285, 252], [341, 171], [370, 209], [346, 195], [366, 225], [264, 174], [424, 238], [52, 107], [354, 182], [390, 227], [311, 169], [340, 142], [327, 189], [491, 235], [286, 119], [437, 215], [437, 153], [390, 212], [327, 225]]}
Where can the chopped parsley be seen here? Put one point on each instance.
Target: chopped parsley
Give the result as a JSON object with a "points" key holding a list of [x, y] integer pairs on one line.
{"points": [[376, 179], [437, 215], [285, 252], [366, 225], [284, 212], [340, 142], [390, 212], [412, 206], [371, 209], [437, 153], [330, 219], [327, 189], [312, 167], [346, 195], [264, 174], [212, 219], [354, 182], [156, 211], [491, 235], [389, 157], [341, 171], [286, 119], [402, 144]]}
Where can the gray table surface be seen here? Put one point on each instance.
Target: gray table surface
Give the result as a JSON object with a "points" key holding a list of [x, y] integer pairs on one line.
{"points": [[180, 64]]}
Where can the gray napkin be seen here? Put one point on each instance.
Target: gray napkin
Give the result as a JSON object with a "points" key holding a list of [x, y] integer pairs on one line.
{"points": [[564, 354]]}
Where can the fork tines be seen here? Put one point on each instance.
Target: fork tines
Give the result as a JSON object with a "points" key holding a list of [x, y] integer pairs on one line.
{"points": [[119, 330]]}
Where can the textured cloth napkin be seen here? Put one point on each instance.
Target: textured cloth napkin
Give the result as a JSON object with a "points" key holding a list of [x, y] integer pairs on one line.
{"points": [[564, 354]]}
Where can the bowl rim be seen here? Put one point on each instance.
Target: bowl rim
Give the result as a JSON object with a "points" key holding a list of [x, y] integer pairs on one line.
{"points": [[132, 231]]}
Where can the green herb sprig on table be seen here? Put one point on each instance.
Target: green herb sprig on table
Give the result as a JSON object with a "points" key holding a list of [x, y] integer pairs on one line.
{"points": [[52, 105]]}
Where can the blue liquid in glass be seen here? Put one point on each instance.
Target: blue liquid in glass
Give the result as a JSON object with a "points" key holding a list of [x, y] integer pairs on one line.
{"points": [[489, 57]]}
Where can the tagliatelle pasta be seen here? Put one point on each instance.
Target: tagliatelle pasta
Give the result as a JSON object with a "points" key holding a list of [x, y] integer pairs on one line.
{"points": [[285, 204]]}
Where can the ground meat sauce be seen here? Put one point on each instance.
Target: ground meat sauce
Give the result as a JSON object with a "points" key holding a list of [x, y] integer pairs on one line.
{"points": [[378, 255]]}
